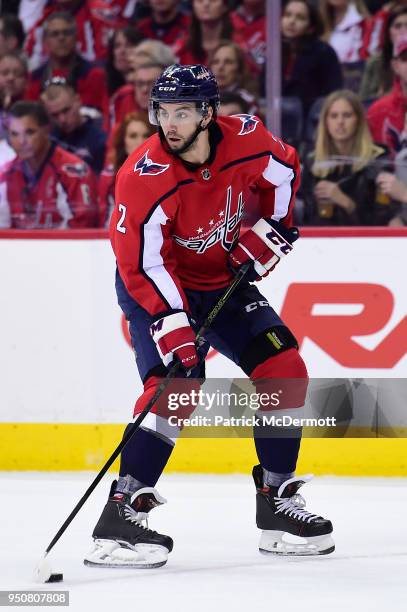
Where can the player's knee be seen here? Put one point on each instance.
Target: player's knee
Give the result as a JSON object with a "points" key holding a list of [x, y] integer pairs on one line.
{"points": [[271, 342], [284, 374], [288, 364]]}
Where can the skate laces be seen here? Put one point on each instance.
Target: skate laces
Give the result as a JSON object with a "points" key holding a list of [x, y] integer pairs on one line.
{"points": [[294, 506], [138, 518]]}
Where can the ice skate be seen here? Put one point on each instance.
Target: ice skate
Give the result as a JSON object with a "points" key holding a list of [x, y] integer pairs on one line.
{"points": [[280, 513], [120, 537]]}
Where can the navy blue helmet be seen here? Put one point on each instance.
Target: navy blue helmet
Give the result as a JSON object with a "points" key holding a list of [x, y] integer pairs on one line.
{"points": [[189, 83]]}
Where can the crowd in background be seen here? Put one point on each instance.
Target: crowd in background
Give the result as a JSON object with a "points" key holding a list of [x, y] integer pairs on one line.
{"points": [[75, 80]]}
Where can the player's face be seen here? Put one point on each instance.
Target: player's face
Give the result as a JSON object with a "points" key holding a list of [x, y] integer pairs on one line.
{"points": [[295, 20], [65, 111], [13, 77], [225, 66], [136, 133], [178, 122], [60, 38], [341, 121], [28, 139], [208, 10]]}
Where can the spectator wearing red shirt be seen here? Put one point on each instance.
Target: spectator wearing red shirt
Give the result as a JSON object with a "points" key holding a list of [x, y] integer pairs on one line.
{"points": [[134, 97], [45, 187], [386, 116], [166, 23], [86, 78], [378, 75], [113, 11], [210, 24], [107, 17], [375, 30], [249, 26], [89, 43], [130, 134]]}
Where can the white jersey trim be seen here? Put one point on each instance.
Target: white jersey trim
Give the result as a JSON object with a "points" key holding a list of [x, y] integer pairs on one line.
{"points": [[89, 51], [63, 206], [281, 176], [153, 264], [5, 216]]}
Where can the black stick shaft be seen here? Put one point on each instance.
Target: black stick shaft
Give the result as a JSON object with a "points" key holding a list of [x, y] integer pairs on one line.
{"points": [[161, 388]]}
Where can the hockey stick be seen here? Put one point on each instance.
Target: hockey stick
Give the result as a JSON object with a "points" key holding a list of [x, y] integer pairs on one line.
{"points": [[43, 572]]}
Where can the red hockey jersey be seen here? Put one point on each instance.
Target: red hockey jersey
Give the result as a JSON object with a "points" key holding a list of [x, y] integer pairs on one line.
{"points": [[172, 228], [386, 118], [62, 194], [250, 34], [374, 32]]}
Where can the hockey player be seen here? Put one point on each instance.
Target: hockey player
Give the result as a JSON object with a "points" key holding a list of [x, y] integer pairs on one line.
{"points": [[175, 234]]}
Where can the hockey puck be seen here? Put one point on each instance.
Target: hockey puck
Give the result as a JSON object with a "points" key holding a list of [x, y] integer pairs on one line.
{"points": [[55, 578]]}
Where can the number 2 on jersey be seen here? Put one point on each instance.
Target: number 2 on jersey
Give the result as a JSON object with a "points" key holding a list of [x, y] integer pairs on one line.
{"points": [[120, 227]]}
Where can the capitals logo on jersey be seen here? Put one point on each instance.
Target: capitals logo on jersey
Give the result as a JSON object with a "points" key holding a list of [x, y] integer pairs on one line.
{"points": [[225, 231], [145, 165], [249, 124]]}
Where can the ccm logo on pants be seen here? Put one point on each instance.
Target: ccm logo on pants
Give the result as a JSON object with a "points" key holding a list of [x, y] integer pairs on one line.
{"points": [[255, 305]]}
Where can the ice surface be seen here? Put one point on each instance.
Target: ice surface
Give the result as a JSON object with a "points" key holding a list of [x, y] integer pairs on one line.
{"points": [[215, 564]]}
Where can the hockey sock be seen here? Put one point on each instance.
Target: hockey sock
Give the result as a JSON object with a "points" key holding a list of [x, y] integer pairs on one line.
{"points": [[274, 479], [276, 454], [145, 456]]}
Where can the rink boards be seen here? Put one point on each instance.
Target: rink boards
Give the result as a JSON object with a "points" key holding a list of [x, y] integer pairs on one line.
{"points": [[68, 377]]}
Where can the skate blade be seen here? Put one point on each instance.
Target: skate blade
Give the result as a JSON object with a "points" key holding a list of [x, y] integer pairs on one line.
{"points": [[272, 543], [116, 554]]}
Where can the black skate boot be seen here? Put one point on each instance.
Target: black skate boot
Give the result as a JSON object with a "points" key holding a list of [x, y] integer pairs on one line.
{"points": [[121, 539], [281, 510]]}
